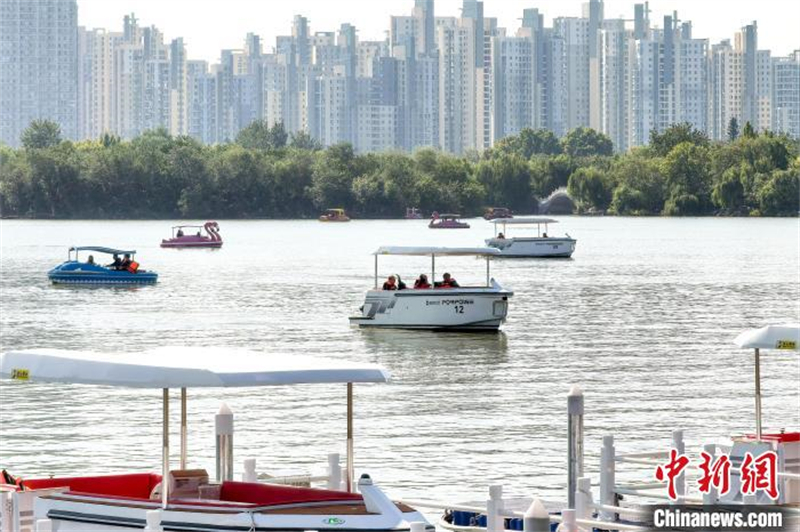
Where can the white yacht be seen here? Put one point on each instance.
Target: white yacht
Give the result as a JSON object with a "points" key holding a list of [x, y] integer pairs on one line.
{"points": [[437, 306], [133, 500], [541, 245]]}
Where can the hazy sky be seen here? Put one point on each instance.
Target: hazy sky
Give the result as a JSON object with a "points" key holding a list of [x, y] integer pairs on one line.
{"points": [[208, 26]]}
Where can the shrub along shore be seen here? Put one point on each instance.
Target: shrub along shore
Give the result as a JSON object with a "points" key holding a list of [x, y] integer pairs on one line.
{"points": [[266, 173]]}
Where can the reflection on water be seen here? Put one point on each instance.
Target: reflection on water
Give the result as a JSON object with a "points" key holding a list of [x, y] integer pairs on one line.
{"points": [[642, 318]]}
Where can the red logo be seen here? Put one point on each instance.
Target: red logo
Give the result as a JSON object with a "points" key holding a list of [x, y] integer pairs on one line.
{"points": [[760, 474], [717, 474], [677, 463]]}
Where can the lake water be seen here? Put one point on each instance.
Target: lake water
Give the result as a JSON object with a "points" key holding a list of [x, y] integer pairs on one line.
{"points": [[642, 319]]}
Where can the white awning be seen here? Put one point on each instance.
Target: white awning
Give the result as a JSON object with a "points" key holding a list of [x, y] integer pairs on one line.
{"points": [[421, 250], [183, 367], [524, 221], [771, 337]]}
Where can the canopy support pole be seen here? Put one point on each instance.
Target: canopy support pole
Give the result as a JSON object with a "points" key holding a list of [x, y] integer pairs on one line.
{"points": [[758, 394], [376, 272], [184, 433], [350, 467], [165, 448], [487, 270], [433, 269]]}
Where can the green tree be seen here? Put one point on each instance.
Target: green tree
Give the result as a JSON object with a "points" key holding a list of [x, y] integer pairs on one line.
{"points": [[748, 131], [584, 141], [259, 135], [733, 129], [41, 134], [640, 186], [780, 194], [333, 177], [303, 141], [530, 142], [662, 143], [687, 179], [590, 188], [507, 181]]}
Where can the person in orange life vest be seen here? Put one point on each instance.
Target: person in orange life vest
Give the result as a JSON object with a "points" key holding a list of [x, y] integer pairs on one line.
{"points": [[447, 282], [422, 282], [390, 283]]}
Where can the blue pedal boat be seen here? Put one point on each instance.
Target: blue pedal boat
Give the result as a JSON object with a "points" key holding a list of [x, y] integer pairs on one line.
{"points": [[88, 272]]}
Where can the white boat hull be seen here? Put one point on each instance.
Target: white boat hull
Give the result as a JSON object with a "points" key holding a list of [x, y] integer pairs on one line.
{"points": [[533, 247], [71, 513], [463, 309]]}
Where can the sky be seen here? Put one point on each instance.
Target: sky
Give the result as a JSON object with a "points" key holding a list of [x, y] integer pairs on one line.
{"points": [[208, 26]]}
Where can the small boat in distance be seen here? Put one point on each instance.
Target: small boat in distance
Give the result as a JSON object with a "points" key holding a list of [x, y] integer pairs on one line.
{"points": [[493, 213], [334, 215], [542, 245], [435, 305], [181, 237], [121, 271], [412, 213], [447, 221]]}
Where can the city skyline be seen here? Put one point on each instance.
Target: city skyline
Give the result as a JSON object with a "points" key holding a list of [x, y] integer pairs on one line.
{"points": [[776, 18], [456, 83]]}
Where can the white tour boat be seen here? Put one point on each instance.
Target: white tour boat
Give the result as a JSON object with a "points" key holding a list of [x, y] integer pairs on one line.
{"points": [[462, 308], [189, 502], [542, 245]]}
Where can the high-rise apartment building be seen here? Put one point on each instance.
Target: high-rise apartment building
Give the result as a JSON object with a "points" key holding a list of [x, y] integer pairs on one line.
{"points": [[38, 66], [786, 94]]}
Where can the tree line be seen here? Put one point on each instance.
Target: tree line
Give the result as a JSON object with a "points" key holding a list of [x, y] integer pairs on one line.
{"points": [[266, 173]]}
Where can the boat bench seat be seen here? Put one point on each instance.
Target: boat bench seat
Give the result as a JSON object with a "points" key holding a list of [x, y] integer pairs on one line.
{"points": [[134, 486], [270, 494]]}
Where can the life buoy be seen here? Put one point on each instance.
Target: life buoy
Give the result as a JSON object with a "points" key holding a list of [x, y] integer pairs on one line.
{"points": [[133, 266]]}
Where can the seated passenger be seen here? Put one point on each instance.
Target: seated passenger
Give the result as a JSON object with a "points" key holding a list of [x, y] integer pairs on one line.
{"points": [[116, 263], [501, 236], [447, 282], [390, 283], [400, 284], [126, 262], [544, 235], [179, 233], [422, 282], [90, 260]]}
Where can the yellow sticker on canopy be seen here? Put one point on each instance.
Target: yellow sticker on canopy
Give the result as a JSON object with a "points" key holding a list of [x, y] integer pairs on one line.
{"points": [[19, 374], [786, 344]]}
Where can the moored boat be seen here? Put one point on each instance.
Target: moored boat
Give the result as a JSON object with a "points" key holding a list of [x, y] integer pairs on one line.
{"points": [[334, 215], [438, 306], [182, 239], [124, 271], [189, 501], [494, 213], [412, 213], [542, 245], [447, 221]]}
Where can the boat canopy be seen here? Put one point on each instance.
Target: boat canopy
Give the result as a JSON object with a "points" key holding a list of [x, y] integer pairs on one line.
{"points": [[449, 216], [98, 249], [184, 226], [182, 367], [771, 337], [425, 251], [524, 221]]}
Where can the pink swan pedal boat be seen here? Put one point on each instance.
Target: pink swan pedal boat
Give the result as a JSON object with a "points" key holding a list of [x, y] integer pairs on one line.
{"points": [[190, 236]]}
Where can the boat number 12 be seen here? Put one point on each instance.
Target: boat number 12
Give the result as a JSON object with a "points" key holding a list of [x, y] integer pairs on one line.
{"points": [[459, 309]]}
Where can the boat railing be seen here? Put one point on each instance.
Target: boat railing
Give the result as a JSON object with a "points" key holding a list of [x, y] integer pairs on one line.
{"points": [[333, 479]]}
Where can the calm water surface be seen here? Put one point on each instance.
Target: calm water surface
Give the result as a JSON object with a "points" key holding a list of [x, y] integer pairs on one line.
{"points": [[642, 319]]}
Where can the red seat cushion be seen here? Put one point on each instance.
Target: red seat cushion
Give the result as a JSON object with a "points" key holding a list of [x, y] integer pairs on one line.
{"points": [[268, 495], [136, 485]]}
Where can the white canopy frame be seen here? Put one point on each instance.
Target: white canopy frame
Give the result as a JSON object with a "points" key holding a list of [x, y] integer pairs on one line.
{"points": [[538, 222], [423, 251], [784, 337], [182, 367]]}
